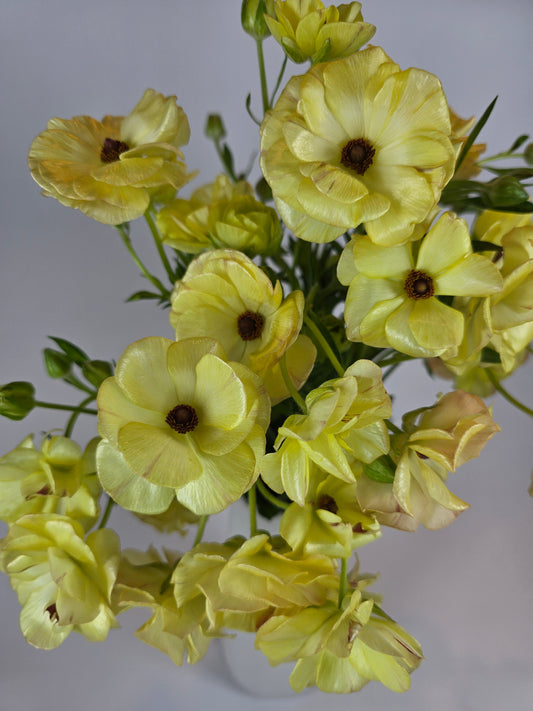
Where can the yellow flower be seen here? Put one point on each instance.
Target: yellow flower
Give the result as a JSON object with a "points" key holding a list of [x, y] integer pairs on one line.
{"points": [[358, 141], [460, 130], [176, 518], [62, 582], [437, 440], [111, 169], [57, 479], [223, 215], [309, 30], [224, 295], [179, 420], [392, 295], [343, 426]]}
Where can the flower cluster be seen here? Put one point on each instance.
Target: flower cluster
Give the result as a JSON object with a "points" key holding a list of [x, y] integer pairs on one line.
{"points": [[262, 390]]}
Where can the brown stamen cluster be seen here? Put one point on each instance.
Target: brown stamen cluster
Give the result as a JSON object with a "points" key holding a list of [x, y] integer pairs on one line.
{"points": [[52, 611], [357, 155], [250, 325], [112, 149], [418, 285], [327, 503], [182, 418]]}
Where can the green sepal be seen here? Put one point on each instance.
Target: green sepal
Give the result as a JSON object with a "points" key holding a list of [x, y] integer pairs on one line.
{"points": [[381, 470], [75, 354]]}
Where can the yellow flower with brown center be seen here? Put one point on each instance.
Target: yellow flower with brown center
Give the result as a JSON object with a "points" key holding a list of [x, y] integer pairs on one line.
{"points": [[111, 169], [358, 141], [309, 30]]}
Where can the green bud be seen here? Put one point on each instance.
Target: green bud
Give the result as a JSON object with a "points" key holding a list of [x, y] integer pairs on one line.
{"points": [[528, 154], [214, 127], [57, 364], [17, 399], [253, 17], [506, 191], [96, 371]]}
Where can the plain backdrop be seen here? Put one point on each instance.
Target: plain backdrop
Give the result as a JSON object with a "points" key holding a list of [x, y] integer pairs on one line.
{"points": [[465, 592]]}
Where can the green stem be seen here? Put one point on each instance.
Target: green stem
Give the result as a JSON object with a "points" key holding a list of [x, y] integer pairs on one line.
{"points": [[107, 513], [265, 493], [154, 280], [324, 345], [262, 73], [77, 412], [392, 427], [252, 503], [343, 581], [70, 408], [73, 380], [200, 531], [499, 156], [298, 399], [503, 392], [159, 245]]}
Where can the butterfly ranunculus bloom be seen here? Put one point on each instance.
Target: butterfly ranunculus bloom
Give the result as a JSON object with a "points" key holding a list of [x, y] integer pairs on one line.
{"points": [[179, 420], [309, 30], [358, 141], [62, 581], [392, 298], [111, 169]]}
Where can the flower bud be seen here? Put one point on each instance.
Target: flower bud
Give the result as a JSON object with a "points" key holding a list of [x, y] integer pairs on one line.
{"points": [[253, 17], [506, 191], [57, 364], [528, 154], [214, 127], [17, 399], [96, 371]]}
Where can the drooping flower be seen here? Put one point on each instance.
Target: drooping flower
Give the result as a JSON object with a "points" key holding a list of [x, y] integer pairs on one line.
{"points": [[392, 298], [343, 427], [179, 420], [436, 441], [111, 169], [58, 478], [62, 581], [222, 215], [358, 141], [224, 295], [309, 30]]}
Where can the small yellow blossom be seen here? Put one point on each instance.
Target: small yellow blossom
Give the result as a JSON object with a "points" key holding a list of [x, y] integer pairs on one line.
{"points": [[62, 582], [392, 295], [111, 169], [358, 141], [309, 30], [222, 215], [179, 420]]}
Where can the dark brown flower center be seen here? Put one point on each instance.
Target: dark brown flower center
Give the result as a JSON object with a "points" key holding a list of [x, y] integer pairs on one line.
{"points": [[357, 155], [250, 325], [112, 149], [418, 285], [182, 418], [327, 503], [52, 611]]}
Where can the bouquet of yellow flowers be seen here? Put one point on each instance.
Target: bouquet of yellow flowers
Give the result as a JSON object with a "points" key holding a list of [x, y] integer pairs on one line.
{"points": [[290, 303]]}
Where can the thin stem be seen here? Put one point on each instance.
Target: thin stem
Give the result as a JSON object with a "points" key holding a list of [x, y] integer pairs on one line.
{"points": [[499, 156], [154, 280], [280, 77], [265, 493], [324, 345], [503, 392], [252, 503], [392, 427], [200, 531], [77, 412], [107, 513], [159, 245], [262, 74], [70, 408], [343, 581], [73, 380], [298, 399]]}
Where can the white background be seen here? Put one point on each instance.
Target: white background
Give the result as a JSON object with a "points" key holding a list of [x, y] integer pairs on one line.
{"points": [[465, 592]]}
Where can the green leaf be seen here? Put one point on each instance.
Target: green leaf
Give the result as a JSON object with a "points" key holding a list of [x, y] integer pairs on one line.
{"points": [[381, 470], [479, 245], [519, 142], [316, 319], [475, 133], [57, 363], [140, 295], [75, 354]]}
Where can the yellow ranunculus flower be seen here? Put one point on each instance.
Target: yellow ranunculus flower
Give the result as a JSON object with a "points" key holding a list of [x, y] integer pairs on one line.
{"points": [[436, 441], [392, 295], [57, 479], [224, 295], [221, 215], [343, 426], [110, 169], [179, 420], [62, 582], [309, 30], [358, 141]]}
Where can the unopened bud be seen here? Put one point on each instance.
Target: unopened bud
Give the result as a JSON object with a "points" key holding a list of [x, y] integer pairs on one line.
{"points": [[17, 399], [214, 127], [528, 154], [57, 364], [253, 17], [96, 371], [506, 191]]}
